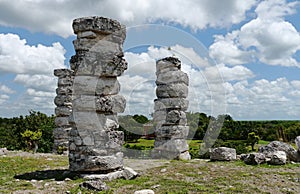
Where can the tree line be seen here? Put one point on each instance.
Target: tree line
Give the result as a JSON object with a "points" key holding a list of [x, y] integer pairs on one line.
{"points": [[34, 131]]}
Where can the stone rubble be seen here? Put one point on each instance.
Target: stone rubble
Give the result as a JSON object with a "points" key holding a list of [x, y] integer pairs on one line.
{"points": [[278, 158], [223, 154], [291, 153], [63, 102], [144, 191], [255, 159], [95, 144], [169, 110]]}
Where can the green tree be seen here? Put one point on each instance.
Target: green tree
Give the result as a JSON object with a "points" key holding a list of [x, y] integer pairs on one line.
{"points": [[252, 139], [32, 139]]}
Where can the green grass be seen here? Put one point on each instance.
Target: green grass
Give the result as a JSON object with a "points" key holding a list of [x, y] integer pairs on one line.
{"points": [[16, 172], [262, 142], [195, 176]]}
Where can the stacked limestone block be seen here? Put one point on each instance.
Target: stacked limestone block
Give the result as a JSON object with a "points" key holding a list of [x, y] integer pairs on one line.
{"points": [[95, 144], [169, 110], [63, 101]]}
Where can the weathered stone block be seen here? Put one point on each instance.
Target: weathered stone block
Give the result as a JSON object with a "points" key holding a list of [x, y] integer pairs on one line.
{"points": [[63, 111], [104, 48], [85, 121], [171, 103], [91, 63], [255, 158], [172, 132], [171, 145], [99, 25], [172, 77], [61, 121], [65, 81], [176, 117], [87, 34], [113, 104], [61, 73], [109, 104], [223, 154], [99, 163], [62, 100], [93, 85], [278, 158], [177, 90], [64, 90], [167, 63]]}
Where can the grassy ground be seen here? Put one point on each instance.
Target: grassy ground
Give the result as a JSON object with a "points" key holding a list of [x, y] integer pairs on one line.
{"points": [[196, 176]]}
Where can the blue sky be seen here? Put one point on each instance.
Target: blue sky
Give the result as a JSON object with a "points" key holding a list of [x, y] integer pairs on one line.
{"points": [[242, 57]]}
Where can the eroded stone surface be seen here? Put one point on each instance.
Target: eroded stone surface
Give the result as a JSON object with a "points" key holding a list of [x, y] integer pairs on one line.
{"points": [[169, 117], [223, 154], [95, 143], [63, 101]]}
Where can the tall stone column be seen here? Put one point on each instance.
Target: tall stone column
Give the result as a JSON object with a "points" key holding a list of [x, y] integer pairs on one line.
{"points": [[169, 110], [63, 101], [95, 144]]}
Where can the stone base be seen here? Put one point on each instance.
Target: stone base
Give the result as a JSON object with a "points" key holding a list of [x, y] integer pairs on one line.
{"points": [[126, 173], [96, 164], [169, 155]]}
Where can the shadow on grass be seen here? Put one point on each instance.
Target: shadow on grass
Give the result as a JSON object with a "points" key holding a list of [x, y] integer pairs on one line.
{"points": [[58, 175]]}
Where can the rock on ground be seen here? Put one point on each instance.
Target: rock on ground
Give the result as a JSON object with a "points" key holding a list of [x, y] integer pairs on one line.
{"points": [[144, 191], [95, 185], [292, 154], [255, 158], [223, 154], [278, 158]]}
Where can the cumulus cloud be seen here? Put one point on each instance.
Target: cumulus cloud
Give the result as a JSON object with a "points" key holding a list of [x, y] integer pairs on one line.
{"points": [[6, 89], [255, 100], [16, 56], [214, 89], [206, 91], [33, 69], [56, 16], [267, 38]]}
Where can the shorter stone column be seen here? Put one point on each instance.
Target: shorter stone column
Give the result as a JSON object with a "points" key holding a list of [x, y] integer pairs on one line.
{"points": [[169, 110], [63, 101]]}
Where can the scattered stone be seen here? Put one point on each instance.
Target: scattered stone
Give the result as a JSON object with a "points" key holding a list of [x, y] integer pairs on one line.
{"points": [[144, 191], [129, 173], [291, 153], [184, 156], [163, 170], [223, 154], [3, 151], [104, 177], [155, 186], [278, 158], [255, 159], [95, 185]]}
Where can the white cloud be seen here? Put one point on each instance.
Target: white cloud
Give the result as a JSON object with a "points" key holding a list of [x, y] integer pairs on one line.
{"points": [[16, 56], [6, 89], [258, 99], [267, 38], [3, 98], [213, 88], [33, 69], [56, 16], [37, 82]]}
